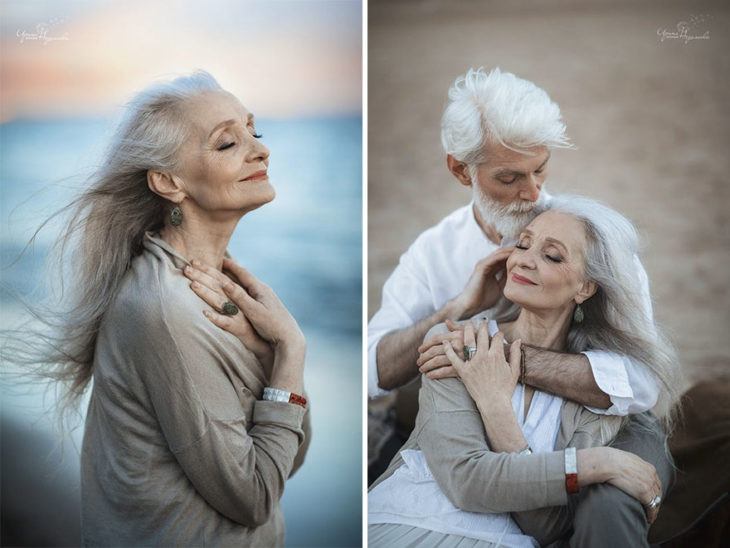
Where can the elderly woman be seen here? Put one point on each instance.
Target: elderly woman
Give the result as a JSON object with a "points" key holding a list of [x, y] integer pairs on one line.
{"points": [[484, 444], [197, 415]]}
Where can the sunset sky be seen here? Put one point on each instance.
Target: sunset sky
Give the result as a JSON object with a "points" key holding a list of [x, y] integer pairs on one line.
{"points": [[281, 58]]}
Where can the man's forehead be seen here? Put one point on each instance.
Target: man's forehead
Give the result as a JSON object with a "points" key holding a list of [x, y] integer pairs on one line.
{"points": [[499, 156]]}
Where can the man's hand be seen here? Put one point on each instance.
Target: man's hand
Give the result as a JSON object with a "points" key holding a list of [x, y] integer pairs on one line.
{"points": [[432, 359], [484, 286]]}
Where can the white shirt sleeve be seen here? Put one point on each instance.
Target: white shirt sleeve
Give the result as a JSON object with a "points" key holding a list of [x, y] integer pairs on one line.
{"points": [[406, 300], [632, 387]]}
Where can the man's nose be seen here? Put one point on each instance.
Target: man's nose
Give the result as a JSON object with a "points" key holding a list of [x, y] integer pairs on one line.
{"points": [[530, 190]]}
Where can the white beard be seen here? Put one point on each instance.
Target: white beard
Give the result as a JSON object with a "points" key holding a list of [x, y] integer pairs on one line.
{"points": [[509, 220]]}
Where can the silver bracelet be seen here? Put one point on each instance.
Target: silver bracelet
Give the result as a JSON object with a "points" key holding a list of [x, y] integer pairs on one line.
{"points": [[526, 451], [274, 394]]}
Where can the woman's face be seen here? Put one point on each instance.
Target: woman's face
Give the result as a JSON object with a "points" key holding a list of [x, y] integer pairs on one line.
{"points": [[223, 164], [545, 272]]}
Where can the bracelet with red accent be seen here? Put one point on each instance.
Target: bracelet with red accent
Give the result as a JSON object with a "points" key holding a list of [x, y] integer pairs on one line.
{"points": [[274, 394], [571, 471]]}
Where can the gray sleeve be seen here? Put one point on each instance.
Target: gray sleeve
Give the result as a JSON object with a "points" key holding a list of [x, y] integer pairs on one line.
{"points": [[473, 477], [237, 463]]}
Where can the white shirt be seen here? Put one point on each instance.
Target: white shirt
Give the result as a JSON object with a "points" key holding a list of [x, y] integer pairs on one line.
{"points": [[437, 267], [412, 497]]}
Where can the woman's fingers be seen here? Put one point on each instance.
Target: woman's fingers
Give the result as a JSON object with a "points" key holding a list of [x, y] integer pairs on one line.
{"points": [[213, 298], [482, 340], [496, 348], [470, 339], [453, 358], [221, 320], [201, 275], [247, 280], [212, 273], [240, 296]]}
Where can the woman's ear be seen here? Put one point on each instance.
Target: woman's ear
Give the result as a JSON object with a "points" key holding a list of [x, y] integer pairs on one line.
{"points": [[586, 291], [459, 170], [166, 185]]}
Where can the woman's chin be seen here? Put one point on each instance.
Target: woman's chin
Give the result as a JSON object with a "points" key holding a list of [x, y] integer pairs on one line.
{"points": [[513, 295], [261, 197]]}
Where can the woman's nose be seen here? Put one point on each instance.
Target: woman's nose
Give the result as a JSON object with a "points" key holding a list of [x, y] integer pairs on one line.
{"points": [[531, 188], [258, 152], [525, 258]]}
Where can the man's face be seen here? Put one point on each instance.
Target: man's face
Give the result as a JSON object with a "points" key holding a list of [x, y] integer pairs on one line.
{"points": [[509, 177], [507, 187]]}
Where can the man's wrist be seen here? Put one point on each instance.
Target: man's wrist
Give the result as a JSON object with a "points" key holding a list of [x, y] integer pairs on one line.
{"points": [[454, 310]]}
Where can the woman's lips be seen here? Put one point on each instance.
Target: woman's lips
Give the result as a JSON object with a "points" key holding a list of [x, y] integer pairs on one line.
{"points": [[263, 174], [522, 280]]}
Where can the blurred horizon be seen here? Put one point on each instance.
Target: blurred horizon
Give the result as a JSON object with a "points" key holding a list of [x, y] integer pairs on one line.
{"points": [[283, 58]]}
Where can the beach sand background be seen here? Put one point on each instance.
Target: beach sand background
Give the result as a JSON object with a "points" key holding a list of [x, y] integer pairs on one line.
{"points": [[649, 118]]}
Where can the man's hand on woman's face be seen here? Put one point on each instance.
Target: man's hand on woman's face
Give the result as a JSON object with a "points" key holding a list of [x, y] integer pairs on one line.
{"points": [[485, 285]]}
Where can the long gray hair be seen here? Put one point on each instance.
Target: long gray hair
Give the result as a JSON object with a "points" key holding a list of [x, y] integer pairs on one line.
{"points": [[106, 227], [617, 318]]}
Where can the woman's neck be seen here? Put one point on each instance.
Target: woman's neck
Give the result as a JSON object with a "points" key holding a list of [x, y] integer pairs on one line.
{"points": [[205, 241], [546, 329]]}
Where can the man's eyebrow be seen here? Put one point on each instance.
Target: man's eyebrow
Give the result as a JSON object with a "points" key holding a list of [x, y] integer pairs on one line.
{"points": [[228, 123], [508, 171], [542, 165]]}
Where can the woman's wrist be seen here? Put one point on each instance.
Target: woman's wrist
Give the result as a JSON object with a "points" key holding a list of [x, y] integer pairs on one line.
{"points": [[502, 428], [594, 464], [288, 370], [494, 405]]}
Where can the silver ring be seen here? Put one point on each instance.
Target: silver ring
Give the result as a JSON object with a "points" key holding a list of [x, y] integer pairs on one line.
{"points": [[469, 352], [229, 308], [653, 503]]}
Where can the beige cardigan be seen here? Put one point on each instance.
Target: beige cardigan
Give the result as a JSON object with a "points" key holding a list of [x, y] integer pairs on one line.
{"points": [[450, 432], [179, 449]]}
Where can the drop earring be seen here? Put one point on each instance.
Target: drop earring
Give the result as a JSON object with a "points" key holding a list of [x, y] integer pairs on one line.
{"points": [[176, 216], [578, 314]]}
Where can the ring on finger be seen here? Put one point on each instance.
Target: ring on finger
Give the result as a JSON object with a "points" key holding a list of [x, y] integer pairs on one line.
{"points": [[229, 308], [653, 503], [469, 352]]}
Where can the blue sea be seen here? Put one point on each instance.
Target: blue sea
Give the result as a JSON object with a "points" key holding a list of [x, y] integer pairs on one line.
{"points": [[306, 244]]}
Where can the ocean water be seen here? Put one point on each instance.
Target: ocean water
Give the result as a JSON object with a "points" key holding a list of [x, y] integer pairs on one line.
{"points": [[306, 244]]}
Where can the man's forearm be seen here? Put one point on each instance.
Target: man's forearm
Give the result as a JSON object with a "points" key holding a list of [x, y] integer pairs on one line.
{"points": [[566, 375], [397, 351]]}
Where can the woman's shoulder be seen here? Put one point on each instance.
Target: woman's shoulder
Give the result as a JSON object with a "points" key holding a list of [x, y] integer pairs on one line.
{"points": [[154, 293]]}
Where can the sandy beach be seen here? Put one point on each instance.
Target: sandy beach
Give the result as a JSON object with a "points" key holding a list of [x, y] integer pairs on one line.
{"points": [[649, 119]]}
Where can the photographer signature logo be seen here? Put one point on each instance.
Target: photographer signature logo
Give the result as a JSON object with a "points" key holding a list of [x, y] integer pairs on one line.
{"points": [[43, 32], [686, 30]]}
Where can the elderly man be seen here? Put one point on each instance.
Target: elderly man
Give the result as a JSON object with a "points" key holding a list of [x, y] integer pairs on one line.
{"points": [[498, 132]]}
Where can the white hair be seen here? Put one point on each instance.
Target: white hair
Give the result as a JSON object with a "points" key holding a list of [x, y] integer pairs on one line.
{"points": [[106, 229], [499, 108], [615, 317]]}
